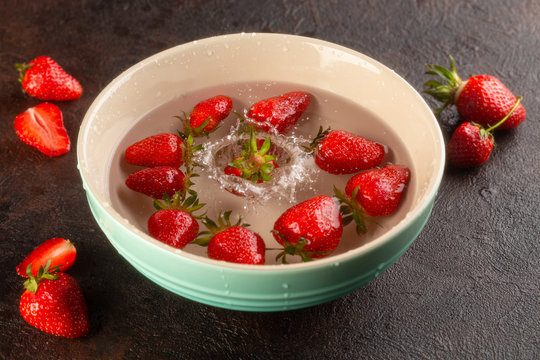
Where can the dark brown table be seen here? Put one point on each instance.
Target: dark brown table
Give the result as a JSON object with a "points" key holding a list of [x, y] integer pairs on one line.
{"points": [[468, 288]]}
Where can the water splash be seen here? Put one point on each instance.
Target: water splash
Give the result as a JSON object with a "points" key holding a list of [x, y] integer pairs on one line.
{"points": [[296, 169]]}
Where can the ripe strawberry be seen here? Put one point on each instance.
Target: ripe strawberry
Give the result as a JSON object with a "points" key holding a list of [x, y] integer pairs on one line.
{"points": [[311, 229], [238, 245], [379, 191], [157, 150], [176, 228], [42, 127], [482, 99], [471, 144], [231, 242], [53, 302], [255, 164], [207, 115], [340, 152], [279, 114], [60, 252], [44, 79], [175, 223], [156, 181]]}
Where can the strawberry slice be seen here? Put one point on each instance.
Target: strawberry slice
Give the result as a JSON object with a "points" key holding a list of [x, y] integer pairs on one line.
{"points": [[42, 127], [60, 251]]}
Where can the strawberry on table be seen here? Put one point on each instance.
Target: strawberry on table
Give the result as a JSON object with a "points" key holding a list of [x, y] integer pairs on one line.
{"points": [[481, 99], [207, 115], [44, 79], [157, 150], [277, 115], [156, 181], [341, 152], [471, 144], [42, 127], [60, 252], [54, 303], [232, 242], [310, 229], [375, 192]]}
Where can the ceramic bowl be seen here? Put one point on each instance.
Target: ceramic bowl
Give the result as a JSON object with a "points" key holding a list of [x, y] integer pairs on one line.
{"points": [[386, 101]]}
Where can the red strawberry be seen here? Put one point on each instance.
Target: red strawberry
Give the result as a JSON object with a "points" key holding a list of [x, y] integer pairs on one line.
{"points": [[157, 150], [340, 152], [44, 79], [238, 245], [54, 303], [231, 242], [471, 144], [176, 228], [482, 99], [43, 128], [279, 114], [208, 114], [156, 181], [174, 222], [255, 164], [379, 191], [60, 252], [311, 229]]}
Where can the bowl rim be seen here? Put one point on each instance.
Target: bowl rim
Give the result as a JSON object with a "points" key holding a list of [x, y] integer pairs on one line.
{"points": [[124, 76]]}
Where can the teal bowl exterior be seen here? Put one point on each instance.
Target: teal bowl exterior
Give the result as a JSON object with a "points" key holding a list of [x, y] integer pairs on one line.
{"points": [[250, 287]]}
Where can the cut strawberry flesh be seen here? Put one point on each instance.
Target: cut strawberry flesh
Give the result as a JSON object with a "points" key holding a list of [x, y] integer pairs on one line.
{"points": [[60, 251], [43, 128]]}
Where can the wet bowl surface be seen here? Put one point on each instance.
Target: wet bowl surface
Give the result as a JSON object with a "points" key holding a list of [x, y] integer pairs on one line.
{"points": [[247, 58]]}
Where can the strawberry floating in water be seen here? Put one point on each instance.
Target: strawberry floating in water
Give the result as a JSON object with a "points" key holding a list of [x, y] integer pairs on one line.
{"points": [[471, 144], [207, 115], [341, 152], [59, 252], [481, 99], [44, 79], [156, 181], [42, 127], [175, 223], [54, 303], [232, 242], [255, 164], [310, 229], [157, 150], [277, 115], [375, 192]]}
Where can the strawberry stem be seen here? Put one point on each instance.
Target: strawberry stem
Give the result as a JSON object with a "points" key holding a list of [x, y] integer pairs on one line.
{"points": [[506, 117]]}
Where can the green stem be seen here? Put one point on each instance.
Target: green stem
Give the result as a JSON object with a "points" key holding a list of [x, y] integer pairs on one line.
{"points": [[506, 117]]}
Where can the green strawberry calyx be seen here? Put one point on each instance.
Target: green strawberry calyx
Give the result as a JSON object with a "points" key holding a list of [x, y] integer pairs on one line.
{"points": [[255, 163], [185, 199], [222, 223], [351, 210], [321, 135], [297, 248], [443, 92], [32, 283]]}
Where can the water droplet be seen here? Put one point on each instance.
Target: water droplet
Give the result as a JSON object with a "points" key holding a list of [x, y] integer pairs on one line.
{"points": [[285, 285]]}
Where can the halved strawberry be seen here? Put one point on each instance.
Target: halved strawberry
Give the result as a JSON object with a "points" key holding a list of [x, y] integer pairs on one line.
{"points": [[59, 251], [42, 127]]}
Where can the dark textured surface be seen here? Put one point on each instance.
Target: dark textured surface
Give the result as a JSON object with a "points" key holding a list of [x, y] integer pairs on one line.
{"points": [[468, 287]]}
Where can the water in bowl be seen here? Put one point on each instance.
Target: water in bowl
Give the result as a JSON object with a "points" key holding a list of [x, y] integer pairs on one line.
{"points": [[299, 180]]}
